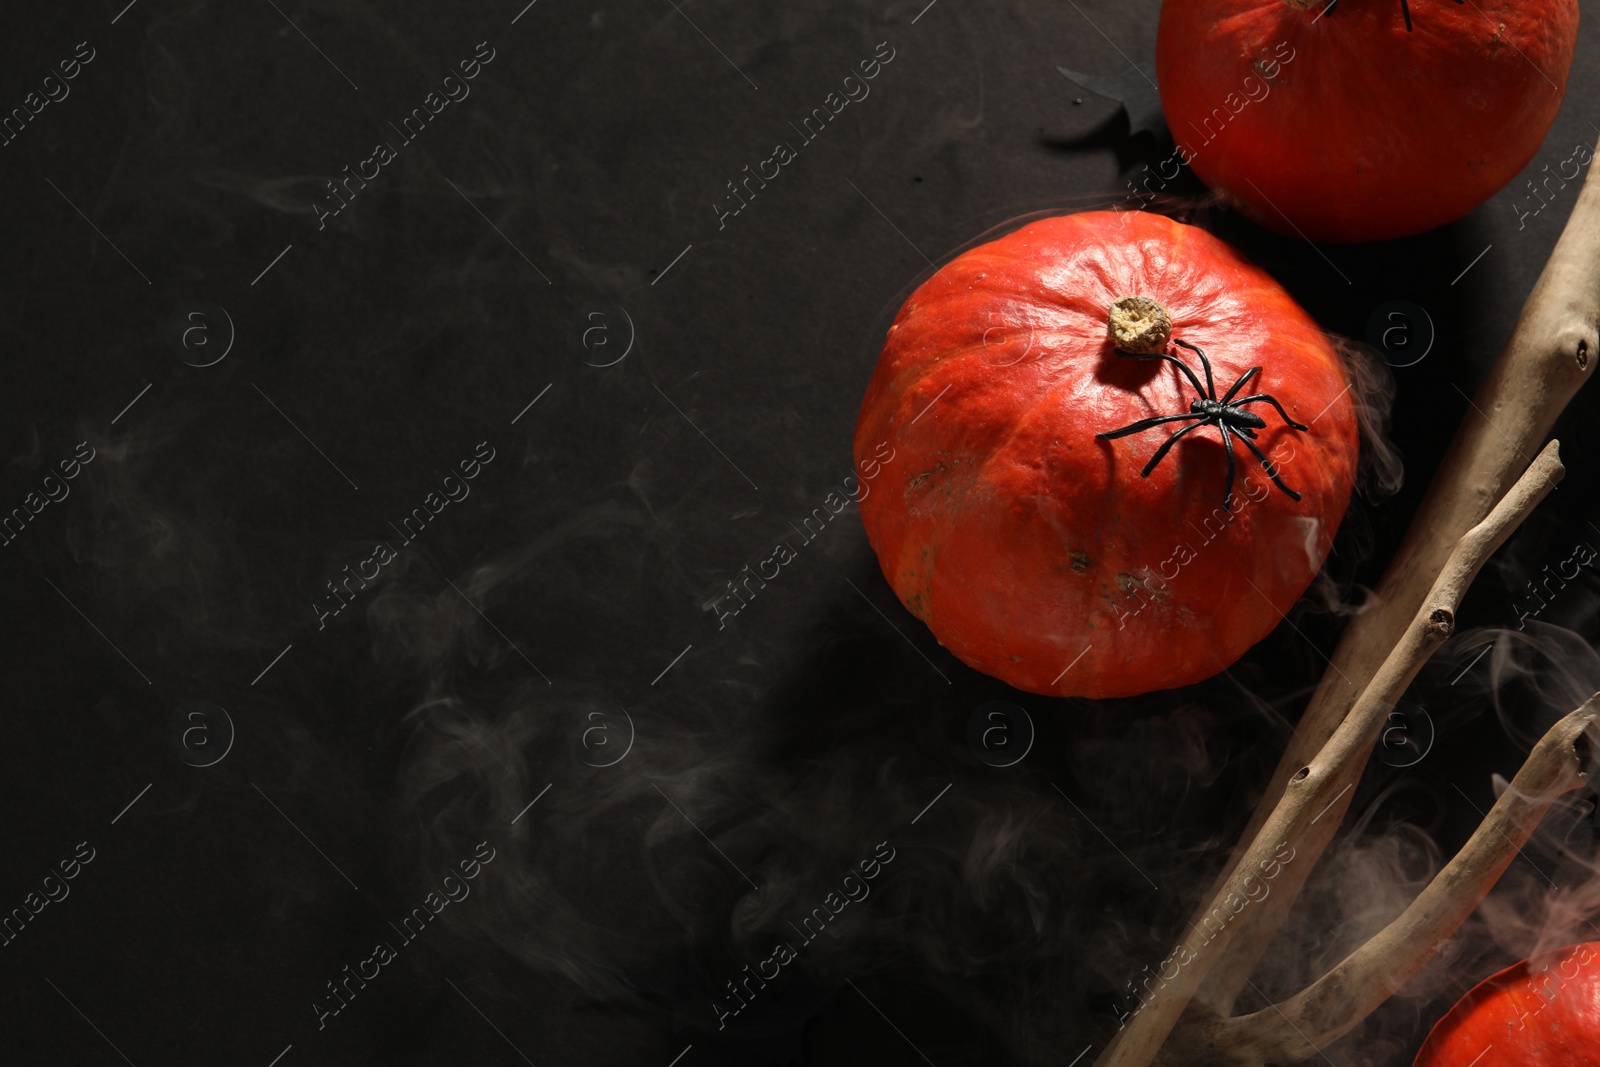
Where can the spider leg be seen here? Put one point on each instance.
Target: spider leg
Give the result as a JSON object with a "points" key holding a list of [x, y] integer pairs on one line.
{"points": [[1211, 385], [1227, 445], [1405, 9], [1251, 373], [1272, 472], [1257, 397], [1145, 424], [1174, 360], [1167, 447]]}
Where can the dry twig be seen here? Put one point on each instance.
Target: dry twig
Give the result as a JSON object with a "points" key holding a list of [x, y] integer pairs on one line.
{"points": [[1319, 792], [1550, 354], [1301, 1026]]}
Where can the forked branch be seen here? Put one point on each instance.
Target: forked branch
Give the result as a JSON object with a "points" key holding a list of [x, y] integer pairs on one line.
{"points": [[1550, 354], [1305, 819], [1301, 1026]]}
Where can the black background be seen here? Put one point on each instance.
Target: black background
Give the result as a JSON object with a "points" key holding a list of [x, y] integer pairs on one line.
{"points": [[380, 350]]}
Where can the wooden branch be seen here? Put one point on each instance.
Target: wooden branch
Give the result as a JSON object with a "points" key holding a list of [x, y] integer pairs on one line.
{"points": [[1551, 353], [1319, 792], [1303, 1025]]}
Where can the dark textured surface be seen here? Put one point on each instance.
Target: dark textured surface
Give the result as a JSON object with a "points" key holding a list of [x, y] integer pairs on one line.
{"points": [[392, 737]]}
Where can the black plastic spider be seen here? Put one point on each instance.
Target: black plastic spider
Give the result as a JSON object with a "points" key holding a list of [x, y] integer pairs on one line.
{"points": [[1227, 415], [1405, 9]]}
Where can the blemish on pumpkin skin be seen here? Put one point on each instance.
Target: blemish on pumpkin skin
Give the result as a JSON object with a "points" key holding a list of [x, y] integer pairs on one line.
{"points": [[1133, 586], [1080, 561], [917, 480]]}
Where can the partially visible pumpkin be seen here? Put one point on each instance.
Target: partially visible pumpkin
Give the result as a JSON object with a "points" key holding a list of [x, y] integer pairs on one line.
{"points": [[1035, 551], [1543, 1012], [1341, 125]]}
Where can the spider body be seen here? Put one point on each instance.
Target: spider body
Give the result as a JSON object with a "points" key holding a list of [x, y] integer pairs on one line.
{"points": [[1237, 419], [1228, 415]]}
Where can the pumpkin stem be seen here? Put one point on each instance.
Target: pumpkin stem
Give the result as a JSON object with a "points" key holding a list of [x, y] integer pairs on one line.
{"points": [[1138, 324]]}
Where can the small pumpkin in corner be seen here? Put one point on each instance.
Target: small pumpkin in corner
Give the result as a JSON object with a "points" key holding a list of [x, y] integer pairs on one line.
{"points": [[1121, 452], [1544, 1011]]}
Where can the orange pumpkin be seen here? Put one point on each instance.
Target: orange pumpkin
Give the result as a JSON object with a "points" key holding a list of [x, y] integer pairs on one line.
{"points": [[1366, 119], [1014, 519], [1543, 1011]]}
